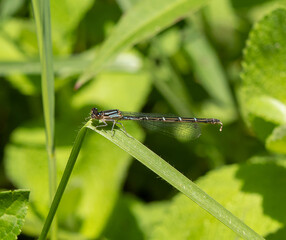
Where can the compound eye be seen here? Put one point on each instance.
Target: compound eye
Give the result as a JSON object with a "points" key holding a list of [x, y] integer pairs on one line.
{"points": [[94, 111]]}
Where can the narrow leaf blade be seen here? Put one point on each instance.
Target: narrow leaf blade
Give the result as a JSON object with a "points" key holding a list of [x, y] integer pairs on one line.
{"points": [[177, 180]]}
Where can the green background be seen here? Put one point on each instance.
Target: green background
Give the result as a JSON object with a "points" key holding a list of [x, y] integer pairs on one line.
{"points": [[219, 59]]}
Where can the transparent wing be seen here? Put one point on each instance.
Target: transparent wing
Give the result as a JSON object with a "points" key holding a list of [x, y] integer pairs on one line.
{"points": [[182, 130]]}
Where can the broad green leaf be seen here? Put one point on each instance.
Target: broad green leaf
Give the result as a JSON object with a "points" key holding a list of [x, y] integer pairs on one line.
{"points": [[254, 192], [262, 121], [13, 209], [276, 110], [133, 219], [141, 21], [276, 142], [263, 77], [266, 42]]}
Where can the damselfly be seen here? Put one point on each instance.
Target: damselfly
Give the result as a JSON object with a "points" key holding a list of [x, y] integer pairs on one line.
{"points": [[182, 125]]}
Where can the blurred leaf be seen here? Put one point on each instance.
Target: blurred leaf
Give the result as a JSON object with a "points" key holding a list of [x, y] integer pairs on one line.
{"points": [[99, 167], [276, 110], [221, 14], [149, 215], [169, 41], [18, 40], [29, 86], [262, 92], [141, 21], [126, 4], [207, 66], [125, 91], [126, 62], [18, 43], [276, 142], [65, 17], [133, 219], [97, 24], [13, 209], [244, 190], [92, 189], [10, 7], [247, 4], [210, 73], [27, 144], [262, 121], [167, 81], [222, 18], [260, 10]]}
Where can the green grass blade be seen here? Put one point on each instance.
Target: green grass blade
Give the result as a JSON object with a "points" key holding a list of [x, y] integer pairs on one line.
{"points": [[177, 180], [43, 26], [45, 50], [141, 21], [63, 183]]}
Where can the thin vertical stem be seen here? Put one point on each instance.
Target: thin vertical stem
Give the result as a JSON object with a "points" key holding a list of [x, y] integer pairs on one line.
{"points": [[63, 183], [43, 25]]}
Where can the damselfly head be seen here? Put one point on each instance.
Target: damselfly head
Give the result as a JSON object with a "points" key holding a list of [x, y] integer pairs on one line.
{"points": [[94, 113]]}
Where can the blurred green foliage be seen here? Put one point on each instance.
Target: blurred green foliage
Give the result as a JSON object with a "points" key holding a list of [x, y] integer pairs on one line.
{"points": [[220, 58]]}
